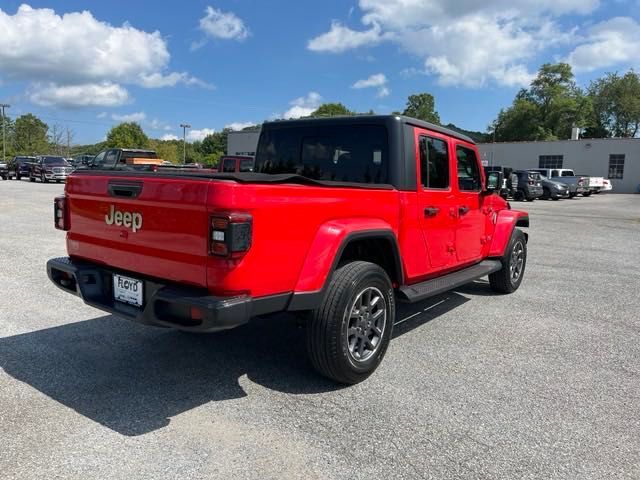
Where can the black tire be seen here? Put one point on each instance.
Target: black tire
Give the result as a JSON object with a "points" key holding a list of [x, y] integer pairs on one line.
{"points": [[586, 194], [531, 199], [504, 280], [572, 195], [333, 335], [17, 176], [546, 194], [32, 179], [555, 199], [518, 196]]}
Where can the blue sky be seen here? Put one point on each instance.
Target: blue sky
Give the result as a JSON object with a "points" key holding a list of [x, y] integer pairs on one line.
{"points": [[214, 64]]}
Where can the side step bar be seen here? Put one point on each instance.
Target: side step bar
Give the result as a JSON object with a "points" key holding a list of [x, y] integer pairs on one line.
{"points": [[435, 286]]}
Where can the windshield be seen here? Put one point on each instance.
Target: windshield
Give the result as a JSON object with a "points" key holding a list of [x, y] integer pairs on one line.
{"points": [[357, 154], [54, 161]]}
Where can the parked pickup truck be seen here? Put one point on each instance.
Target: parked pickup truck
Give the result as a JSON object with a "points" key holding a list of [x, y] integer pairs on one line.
{"points": [[595, 185], [123, 158], [341, 218], [577, 183], [20, 167], [49, 168]]}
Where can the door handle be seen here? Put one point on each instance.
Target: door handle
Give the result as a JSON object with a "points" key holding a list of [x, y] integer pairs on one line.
{"points": [[431, 211], [463, 210]]}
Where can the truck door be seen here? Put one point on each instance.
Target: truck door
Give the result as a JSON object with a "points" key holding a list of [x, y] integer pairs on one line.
{"points": [[470, 229], [436, 198]]}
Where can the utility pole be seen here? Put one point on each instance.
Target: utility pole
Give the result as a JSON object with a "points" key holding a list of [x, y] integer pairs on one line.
{"points": [[184, 127], [4, 135]]}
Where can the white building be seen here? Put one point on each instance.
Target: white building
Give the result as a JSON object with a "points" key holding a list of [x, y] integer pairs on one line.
{"points": [[615, 158]]}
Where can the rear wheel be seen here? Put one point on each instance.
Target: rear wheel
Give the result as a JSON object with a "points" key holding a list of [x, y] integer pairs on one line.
{"points": [[349, 333], [586, 194], [509, 278], [546, 194]]}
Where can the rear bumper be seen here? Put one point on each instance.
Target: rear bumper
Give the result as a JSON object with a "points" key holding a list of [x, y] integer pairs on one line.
{"points": [[164, 304]]}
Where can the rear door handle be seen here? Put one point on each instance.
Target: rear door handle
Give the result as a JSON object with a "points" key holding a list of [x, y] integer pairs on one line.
{"points": [[431, 211], [463, 210]]}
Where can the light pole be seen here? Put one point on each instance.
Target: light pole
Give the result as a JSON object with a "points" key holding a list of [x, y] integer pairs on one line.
{"points": [[184, 141], [4, 127]]}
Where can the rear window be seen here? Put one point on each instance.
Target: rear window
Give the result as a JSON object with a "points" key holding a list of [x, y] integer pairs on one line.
{"points": [[568, 173], [353, 154]]}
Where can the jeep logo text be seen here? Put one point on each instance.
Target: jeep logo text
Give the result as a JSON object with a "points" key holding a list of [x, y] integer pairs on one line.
{"points": [[130, 220]]}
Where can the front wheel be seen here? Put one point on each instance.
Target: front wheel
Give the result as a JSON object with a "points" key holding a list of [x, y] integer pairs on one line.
{"points": [[509, 278], [586, 194], [518, 196], [349, 333]]}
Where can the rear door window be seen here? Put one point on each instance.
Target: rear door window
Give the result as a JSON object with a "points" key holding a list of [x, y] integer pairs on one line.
{"points": [[434, 162], [468, 171]]}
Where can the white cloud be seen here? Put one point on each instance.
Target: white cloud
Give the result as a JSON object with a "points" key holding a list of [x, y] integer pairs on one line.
{"points": [[169, 136], [75, 50], [199, 135], [236, 126], [378, 80], [608, 43], [223, 25], [129, 117], [76, 96], [467, 42], [159, 80], [303, 106], [157, 125], [340, 38], [102, 115]]}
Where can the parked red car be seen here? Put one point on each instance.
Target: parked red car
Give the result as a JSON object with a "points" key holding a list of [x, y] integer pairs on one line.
{"points": [[341, 218]]}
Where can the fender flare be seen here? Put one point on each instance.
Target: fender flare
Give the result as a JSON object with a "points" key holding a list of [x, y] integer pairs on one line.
{"points": [[326, 250], [506, 221]]}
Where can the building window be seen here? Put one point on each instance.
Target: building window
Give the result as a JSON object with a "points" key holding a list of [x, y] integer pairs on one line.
{"points": [[616, 166], [550, 161]]}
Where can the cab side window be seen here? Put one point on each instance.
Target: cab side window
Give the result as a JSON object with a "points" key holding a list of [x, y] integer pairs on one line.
{"points": [[468, 171], [434, 162]]}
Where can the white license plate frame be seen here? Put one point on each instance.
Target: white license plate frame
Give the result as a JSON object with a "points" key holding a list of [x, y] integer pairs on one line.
{"points": [[128, 290]]}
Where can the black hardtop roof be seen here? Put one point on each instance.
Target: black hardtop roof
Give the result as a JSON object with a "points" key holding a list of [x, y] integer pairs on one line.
{"points": [[365, 120], [136, 150]]}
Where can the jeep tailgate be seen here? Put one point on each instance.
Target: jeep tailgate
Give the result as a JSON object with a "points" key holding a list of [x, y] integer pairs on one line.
{"points": [[154, 226]]}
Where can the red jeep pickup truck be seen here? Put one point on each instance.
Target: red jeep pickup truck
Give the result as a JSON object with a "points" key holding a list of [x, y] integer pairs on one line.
{"points": [[341, 218]]}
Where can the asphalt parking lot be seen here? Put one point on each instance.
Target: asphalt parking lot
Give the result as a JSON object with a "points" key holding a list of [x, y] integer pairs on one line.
{"points": [[541, 384]]}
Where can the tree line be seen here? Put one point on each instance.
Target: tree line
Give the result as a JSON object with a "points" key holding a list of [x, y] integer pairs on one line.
{"points": [[547, 110]]}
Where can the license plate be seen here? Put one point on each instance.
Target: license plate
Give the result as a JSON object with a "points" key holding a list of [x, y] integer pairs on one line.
{"points": [[127, 290]]}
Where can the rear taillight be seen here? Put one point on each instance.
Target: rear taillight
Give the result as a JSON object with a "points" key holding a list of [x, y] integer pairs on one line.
{"points": [[60, 213], [230, 234]]}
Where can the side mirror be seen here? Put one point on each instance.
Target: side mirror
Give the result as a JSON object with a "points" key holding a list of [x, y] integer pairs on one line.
{"points": [[493, 181]]}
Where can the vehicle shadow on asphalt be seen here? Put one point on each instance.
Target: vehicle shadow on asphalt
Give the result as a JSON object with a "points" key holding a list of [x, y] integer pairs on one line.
{"points": [[132, 379]]}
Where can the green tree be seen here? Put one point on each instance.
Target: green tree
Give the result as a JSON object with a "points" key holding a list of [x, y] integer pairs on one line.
{"points": [[547, 111], [30, 135], [127, 135], [422, 107], [169, 150], [615, 102], [331, 110]]}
